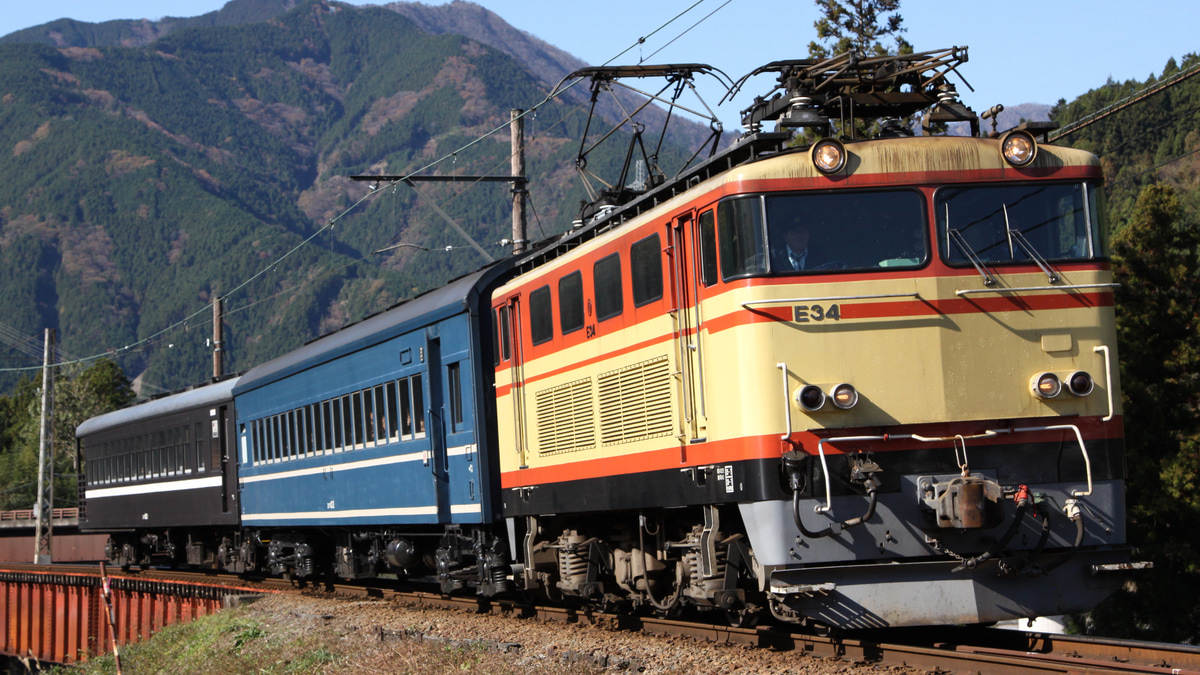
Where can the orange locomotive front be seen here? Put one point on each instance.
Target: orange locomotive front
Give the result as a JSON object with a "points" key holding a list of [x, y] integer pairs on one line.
{"points": [[862, 383]]}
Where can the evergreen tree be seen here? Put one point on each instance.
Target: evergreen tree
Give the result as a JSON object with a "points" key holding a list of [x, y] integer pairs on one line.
{"points": [[860, 26], [1156, 260]]}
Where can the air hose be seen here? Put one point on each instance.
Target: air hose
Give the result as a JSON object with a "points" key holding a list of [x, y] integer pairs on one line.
{"points": [[1022, 500]]}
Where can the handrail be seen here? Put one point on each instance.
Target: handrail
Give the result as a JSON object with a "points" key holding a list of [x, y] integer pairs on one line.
{"points": [[787, 402], [1087, 461], [828, 507], [789, 301], [1071, 287], [1103, 349]]}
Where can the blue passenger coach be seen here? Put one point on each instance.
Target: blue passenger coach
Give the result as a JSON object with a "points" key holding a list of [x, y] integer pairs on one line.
{"points": [[375, 436]]}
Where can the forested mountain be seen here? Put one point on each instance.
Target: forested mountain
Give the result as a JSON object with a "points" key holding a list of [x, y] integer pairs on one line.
{"points": [[1147, 142], [140, 181], [1150, 151]]}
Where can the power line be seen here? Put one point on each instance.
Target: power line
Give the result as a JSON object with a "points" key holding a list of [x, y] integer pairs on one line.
{"points": [[1125, 103]]}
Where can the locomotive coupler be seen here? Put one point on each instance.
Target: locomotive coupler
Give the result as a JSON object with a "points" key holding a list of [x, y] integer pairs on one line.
{"points": [[963, 502]]}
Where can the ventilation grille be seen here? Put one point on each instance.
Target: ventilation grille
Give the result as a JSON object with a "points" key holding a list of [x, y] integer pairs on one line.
{"points": [[565, 418], [635, 402]]}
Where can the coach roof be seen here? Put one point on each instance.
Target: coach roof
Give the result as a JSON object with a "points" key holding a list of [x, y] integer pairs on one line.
{"points": [[435, 305], [203, 395]]}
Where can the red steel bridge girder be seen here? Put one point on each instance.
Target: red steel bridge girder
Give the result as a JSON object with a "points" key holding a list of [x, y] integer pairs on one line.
{"points": [[60, 618]]}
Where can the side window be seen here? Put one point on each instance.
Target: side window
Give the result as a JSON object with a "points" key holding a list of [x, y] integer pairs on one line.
{"points": [[495, 338], [418, 395], [606, 275], [708, 249], [743, 250], [645, 268], [505, 350], [570, 302], [454, 377], [541, 323]]}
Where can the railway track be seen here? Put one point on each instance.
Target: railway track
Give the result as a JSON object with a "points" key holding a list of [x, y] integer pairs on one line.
{"points": [[938, 650]]}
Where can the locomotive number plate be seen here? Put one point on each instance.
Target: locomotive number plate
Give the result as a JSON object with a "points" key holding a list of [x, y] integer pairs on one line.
{"points": [[807, 313]]}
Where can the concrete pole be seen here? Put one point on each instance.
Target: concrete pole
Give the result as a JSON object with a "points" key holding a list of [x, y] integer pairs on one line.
{"points": [[45, 500], [518, 169], [218, 337]]}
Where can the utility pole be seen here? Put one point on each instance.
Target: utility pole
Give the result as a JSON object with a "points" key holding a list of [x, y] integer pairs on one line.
{"points": [[45, 492], [218, 337], [518, 171]]}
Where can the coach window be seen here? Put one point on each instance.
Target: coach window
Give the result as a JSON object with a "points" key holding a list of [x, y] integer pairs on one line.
{"points": [[327, 426], [348, 416], [405, 404], [645, 268], [393, 413], [708, 249], [541, 323], [316, 438], [570, 303], [199, 459], [418, 406], [294, 435], [454, 376], [381, 415], [606, 278], [335, 421], [367, 425]]}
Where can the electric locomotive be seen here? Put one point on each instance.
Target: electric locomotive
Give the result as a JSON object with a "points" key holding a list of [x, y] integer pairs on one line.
{"points": [[866, 382]]}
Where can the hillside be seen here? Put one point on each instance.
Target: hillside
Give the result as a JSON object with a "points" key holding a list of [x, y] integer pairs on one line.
{"points": [[142, 180]]}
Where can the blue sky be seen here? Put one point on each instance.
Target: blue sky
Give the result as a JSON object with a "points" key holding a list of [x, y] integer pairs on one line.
{"points": [[1020, 50]]}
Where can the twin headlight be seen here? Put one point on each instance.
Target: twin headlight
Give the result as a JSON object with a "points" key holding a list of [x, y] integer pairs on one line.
{"points": [[1050, 385], [812, 398]]}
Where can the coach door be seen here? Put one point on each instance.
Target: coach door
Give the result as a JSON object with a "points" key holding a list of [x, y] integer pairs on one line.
{"points": [[224, 455], [511, 315], [435, 423], [689, 348]]}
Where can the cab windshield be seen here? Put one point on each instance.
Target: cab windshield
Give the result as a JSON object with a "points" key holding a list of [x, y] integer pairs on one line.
{"points": [[813, 233], [1011, 223]]}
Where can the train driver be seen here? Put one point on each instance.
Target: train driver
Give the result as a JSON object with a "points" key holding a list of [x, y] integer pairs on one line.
{"points": [[795, 256]]}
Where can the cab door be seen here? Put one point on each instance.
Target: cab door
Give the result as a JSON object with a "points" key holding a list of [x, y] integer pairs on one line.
{"points": [[688, 327]]}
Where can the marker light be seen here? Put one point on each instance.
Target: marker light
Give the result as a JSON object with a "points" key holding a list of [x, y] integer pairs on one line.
{"points": [[844, 396], [810, 397], [1018, 148], [829, 155], [1080, 383], [1046, 385]]}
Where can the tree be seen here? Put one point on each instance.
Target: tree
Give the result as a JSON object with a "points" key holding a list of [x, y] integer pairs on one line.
{"points": [[858, 25], [1156, 260], [79, 394]]}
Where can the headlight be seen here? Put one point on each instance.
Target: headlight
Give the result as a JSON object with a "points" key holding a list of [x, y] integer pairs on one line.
{"points": [[829, 155], [1046, 385], [844, 396], [810, 397], [1080, 383], [1018, 148]]}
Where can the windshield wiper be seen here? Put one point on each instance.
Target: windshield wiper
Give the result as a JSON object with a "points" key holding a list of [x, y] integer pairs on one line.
{"points": [[966, 249], [1025, 245]]}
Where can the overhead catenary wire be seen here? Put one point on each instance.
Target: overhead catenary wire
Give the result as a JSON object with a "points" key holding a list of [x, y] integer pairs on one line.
{"points": [[152, 338]]}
